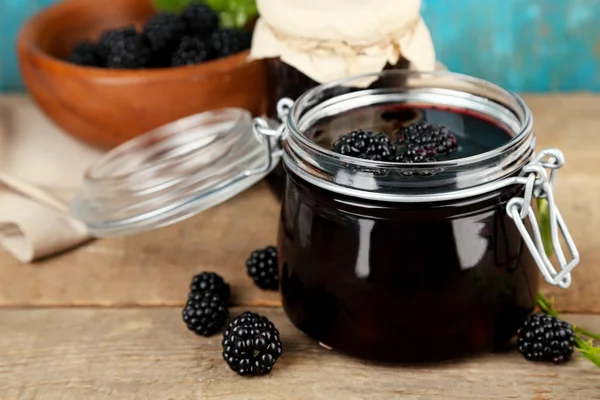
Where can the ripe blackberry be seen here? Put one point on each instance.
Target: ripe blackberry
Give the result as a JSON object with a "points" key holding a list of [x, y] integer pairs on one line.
{"points": [[546, 338], [191, 50], [435, 139], [110, 38], [226, 42], [163, 30], [205, 313], [86, 53], [129, 53], [365, 144], [210, 283], [200, 19], [262, 268], [414, 156], [251, 344]]}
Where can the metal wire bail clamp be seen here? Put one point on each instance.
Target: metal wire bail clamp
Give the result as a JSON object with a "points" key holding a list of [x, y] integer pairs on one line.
{"points": [[539, 185]]}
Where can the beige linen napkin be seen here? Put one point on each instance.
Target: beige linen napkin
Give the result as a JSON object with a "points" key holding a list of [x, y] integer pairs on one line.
{"points": [[41, 168]]}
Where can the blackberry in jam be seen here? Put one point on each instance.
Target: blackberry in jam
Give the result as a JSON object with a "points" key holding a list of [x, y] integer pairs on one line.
{"points": [[432, 139], [413, 156], [365, 144]]}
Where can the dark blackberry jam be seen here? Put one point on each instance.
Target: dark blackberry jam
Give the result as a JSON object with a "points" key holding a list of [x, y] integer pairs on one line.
{"points": [[382, 262], [403, 282]]}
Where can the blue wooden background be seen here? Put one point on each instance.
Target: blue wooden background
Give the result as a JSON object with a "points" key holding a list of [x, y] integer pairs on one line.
{"points": [[525, 45]]}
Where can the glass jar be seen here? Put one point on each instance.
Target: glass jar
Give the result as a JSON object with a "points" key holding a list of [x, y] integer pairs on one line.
{"points": [[381, 260], [285, 81]]}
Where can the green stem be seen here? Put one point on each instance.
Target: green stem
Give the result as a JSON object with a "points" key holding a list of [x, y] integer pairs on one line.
{"points": [[545, 305], [587, 333], [588, 351], [544, 222]]}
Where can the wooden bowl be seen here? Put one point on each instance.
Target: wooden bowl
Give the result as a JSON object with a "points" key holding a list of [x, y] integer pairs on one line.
{"points": [[108, 107]]}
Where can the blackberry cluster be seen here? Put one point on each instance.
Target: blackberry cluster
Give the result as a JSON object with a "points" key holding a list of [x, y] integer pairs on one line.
{"points": [[85, 53], [365, 144], [166, 40], [251, 344], [205, 312], [413, 156], [163, 30], [210, 282], [225, 42], [200, 19], [546, 338], [191, 50], [262, 268], [129, 53], [112, 37], [420, 142], [434, 140]]}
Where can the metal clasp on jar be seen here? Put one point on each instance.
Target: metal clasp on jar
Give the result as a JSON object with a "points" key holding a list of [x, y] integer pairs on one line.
{"points": [[263, 133], [539, 185]]}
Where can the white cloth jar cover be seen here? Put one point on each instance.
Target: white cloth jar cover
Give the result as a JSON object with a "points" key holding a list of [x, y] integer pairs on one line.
{"points": [[333, 39]]}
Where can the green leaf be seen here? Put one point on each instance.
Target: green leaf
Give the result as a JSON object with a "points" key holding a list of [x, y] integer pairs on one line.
{"points": [[544, 220], [233, 13], [170, 5]]}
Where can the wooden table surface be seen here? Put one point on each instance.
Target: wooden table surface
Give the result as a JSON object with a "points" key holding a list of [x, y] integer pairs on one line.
{"points": [[103, 321]]}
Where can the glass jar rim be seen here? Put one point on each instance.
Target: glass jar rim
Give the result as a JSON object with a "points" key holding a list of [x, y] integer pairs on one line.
{"points": [[322, 165]]}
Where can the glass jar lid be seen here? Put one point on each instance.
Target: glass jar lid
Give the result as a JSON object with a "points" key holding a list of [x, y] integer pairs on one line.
{"points": [[173, 172]]}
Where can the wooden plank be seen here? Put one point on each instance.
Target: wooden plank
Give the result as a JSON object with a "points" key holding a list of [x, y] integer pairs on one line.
{"points": [[147, 353], [154, 268]]}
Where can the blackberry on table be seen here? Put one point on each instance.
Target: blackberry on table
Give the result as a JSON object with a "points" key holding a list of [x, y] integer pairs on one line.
{"points": [[210, 283], [262, 268], [191, 50], [230, 41], [200, 19], [434, 139], [86, 53], [365, 144], [546, 338], [205, 313], [251, 344], [110, 38], [129, 53], [163, 30]]}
